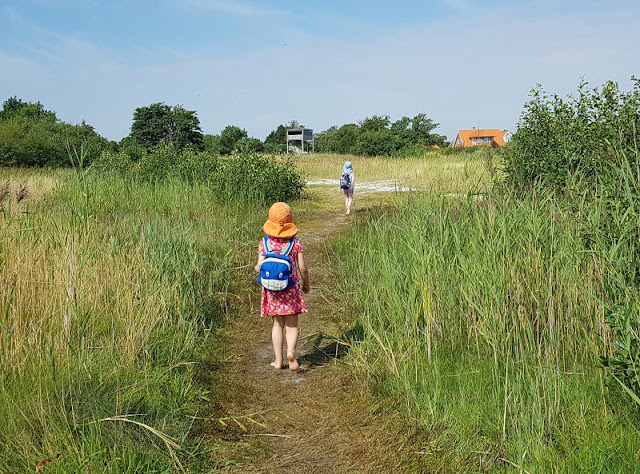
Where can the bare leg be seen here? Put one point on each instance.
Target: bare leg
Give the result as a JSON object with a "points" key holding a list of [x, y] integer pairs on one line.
{"points": [[276, 340], [291, 330], [348, 199]]}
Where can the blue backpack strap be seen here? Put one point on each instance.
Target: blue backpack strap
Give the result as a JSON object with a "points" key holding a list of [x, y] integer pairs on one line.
{"points": [[266, 245], [286, 250]]}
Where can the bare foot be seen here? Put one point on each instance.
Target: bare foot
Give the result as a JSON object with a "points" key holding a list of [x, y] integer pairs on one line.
{"points": [[275, 365], [293, 363]]}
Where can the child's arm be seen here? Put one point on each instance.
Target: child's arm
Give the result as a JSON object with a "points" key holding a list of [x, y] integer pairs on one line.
{"points": [[260, 260], [304, 272]]}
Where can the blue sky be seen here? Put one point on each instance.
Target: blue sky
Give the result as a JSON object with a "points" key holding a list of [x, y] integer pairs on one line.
{"points": [[257, 64]]}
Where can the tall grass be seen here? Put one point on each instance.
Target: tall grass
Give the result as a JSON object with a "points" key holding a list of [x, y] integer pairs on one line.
{"points": [[242, 177], [435, 170], [486, 317], [109, 289]]}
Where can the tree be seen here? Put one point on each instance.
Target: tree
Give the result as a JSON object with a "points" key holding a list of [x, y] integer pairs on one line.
{"points": [[402, 129], [345, 138], [247, 144], [276, 140], [377, 136], [27, 143], [374, 123], [229, 137], [159, 122], [416, 130], [33, 136], [211, 143], [14, 107], [85, 136], [376, 143], [422, 127]]}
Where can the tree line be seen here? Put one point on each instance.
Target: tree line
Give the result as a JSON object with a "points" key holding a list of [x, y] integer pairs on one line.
{"points": [[30, 135], [378, 136]]}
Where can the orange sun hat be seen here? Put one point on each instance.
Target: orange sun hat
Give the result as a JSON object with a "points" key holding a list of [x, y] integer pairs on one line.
{"points": [[280, 223]]}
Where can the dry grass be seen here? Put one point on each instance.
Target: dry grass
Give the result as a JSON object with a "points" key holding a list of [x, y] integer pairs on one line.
{"points": [[36, 185], [434, 172], [57, 279], [169, 443]]}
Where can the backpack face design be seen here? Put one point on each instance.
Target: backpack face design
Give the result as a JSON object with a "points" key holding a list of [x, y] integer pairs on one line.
{"points": [[345, 181], [276, 268]]}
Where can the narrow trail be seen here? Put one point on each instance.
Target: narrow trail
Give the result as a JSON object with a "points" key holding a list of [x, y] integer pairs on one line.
{"points": [[314, 421]]}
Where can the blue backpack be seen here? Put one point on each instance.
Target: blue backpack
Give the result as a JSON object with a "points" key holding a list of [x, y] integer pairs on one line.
{"points": [[345, 181], [276, 268]]}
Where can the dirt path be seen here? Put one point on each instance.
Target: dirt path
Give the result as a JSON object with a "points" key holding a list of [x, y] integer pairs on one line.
{"points": [[314, 421]]}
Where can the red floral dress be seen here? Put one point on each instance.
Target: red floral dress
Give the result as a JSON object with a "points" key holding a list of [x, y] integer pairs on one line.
{"points": [[290, 300]]}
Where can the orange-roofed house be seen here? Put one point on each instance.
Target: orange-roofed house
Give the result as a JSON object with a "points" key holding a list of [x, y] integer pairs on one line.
{"points": [[484, 137]]}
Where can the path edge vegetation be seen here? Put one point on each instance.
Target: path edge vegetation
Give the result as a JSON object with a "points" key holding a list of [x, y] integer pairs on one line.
{"points": [[132, 277], [532, 285], [576, 195]]}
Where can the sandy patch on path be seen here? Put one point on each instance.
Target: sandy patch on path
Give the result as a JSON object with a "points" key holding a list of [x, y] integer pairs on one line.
{"points": [[387, 185]]}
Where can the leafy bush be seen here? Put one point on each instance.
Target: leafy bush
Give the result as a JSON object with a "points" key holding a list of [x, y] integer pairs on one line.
{"points": [[464, 150], [160, 162], [588, 144], [118, 163], [242, 177], [257, 178], [27, 143], [558, 138], [32, 136]]}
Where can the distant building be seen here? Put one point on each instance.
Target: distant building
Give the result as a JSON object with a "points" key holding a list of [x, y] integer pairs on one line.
{"points": [[297, 136], [481, 137]]}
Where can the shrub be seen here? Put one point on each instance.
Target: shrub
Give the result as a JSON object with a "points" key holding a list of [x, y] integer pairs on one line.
{"points": [[32, 136], [243, 177], [558, 138], [249, 177], [27, 143], [111, 162]]}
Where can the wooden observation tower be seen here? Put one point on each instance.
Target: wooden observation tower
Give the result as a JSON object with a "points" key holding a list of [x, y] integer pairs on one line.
{"points": [[298, 135]]}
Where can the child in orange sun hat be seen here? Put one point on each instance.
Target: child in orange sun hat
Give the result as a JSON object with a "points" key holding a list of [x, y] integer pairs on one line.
{"points": [[282, 299]]}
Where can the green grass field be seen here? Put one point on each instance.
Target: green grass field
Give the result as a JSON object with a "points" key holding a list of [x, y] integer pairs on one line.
{"points": [[484, 316], [480, 315], [109, 291]]}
